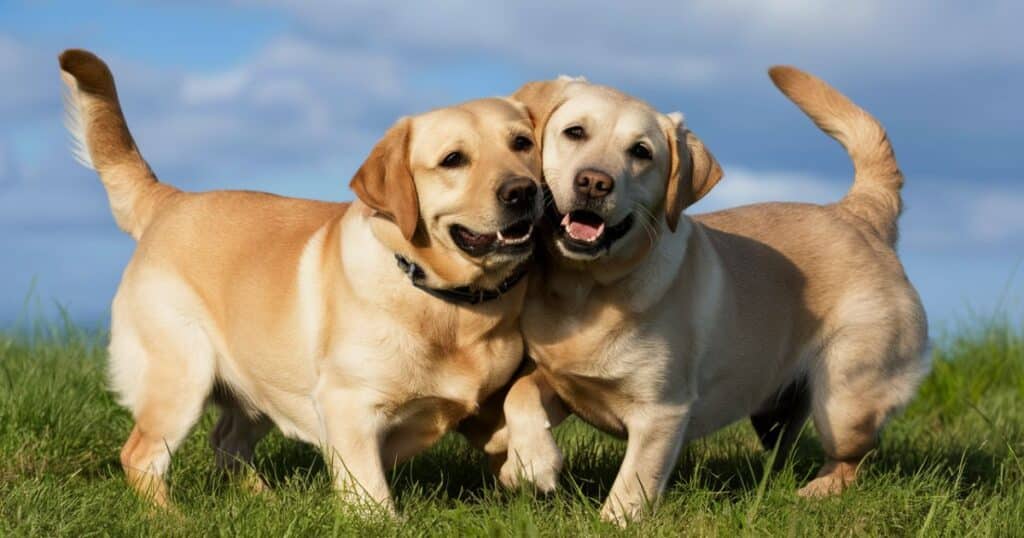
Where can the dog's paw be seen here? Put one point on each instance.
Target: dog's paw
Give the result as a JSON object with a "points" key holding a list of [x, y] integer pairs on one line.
{"points": [[621, 515], [823, 486], [362, 505], [251, 482], [538, 463], [832, 480]]}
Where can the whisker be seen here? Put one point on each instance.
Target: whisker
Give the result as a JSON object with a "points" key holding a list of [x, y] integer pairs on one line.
{"points": [[549, 177], [647, 212], [648, 221]]}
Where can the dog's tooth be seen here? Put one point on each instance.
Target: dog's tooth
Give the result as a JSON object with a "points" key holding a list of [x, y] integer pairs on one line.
{"points": [[565, 220]]}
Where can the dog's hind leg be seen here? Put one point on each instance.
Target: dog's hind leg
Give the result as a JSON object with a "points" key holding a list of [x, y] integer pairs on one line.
{"points": [[865, 373], [781, 418], [163, 368], [234, 439]]}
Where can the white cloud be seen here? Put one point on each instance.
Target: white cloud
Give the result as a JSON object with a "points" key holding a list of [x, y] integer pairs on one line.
{"points": [[997, 216], [294, 104], [940, 215], [217, 87], [784, 15], [742, 186], [945, 215], [650, 42], [294, 109]]}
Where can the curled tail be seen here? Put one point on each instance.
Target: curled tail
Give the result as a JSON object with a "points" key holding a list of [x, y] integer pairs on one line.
{"points": [[103, 143], [875, 195]]}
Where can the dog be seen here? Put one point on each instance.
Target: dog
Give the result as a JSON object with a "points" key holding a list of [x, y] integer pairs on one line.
{"points": [[662, 328], [369, 329]]}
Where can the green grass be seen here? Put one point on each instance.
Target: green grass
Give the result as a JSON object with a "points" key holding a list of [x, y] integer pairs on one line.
{"points": [[952, 464]]}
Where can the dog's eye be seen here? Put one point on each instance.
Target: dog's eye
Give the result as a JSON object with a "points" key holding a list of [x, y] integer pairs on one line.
{"points": [[574, 133], [454, 159], [521, 143], [640, 151]]}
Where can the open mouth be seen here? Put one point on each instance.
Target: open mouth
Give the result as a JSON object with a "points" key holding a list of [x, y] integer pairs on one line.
{"points": [[518, 236], [586, 232], [583, 226]]}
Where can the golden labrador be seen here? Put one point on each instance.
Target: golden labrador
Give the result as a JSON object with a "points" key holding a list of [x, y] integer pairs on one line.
{"points": [[369, 329], [662, 328]]}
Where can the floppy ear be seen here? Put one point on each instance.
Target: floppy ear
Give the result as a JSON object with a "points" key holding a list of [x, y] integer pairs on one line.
{"points": [[385, 183], [541, 99], [692, 174]]}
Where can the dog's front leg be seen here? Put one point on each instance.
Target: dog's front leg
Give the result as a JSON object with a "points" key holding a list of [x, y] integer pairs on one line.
{"points": [[655, 437], [354, 430], [532, 409]]}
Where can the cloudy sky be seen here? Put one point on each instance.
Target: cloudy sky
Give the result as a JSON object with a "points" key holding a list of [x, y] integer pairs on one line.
{"points": [[264, 95]]}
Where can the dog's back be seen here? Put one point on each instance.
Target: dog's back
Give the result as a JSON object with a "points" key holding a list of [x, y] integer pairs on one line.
{"points": [[820, 252], [826, 279]]}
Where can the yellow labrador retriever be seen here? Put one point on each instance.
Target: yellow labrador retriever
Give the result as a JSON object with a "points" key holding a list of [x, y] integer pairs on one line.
{"points": [[662, 328], [369, 329]]}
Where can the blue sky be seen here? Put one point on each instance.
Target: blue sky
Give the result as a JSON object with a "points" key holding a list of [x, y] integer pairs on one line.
{"points": [[272, 96]]}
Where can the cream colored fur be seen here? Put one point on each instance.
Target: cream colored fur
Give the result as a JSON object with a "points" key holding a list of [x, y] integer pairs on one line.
{"points": [[687, 324], [293, 313]]}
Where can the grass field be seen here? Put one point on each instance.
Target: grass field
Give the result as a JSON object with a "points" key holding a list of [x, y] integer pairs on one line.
{"points": [[952, 464]]}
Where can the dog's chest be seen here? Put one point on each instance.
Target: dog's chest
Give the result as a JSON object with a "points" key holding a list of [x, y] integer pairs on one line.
{"points": [[595, 357], [441, 364], [576, 335], [447, 384]]}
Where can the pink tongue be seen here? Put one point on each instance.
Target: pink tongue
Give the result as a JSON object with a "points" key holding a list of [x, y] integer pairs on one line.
{"points": [[582, 231]]}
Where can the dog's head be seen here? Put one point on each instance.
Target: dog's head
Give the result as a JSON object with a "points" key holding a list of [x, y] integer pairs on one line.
{"points": [[460, 187], [618, 171]]}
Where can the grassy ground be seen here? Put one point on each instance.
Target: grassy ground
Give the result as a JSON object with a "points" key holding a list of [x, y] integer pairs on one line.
{"points": [[952, 464]]}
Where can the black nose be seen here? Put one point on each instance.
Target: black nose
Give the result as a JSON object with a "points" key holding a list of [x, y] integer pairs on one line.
{"points": [[517, 193], [593, 184]]}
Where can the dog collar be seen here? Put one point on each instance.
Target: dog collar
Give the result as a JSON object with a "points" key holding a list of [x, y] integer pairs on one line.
{"points": [[461, 294]]}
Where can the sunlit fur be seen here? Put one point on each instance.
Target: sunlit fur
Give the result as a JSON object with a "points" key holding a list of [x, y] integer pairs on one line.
{"points": [[673, 334], [293, 312]]}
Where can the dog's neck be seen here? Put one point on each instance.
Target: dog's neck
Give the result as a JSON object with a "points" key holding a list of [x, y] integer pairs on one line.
{"points": [[386, 253], [465, 295]]}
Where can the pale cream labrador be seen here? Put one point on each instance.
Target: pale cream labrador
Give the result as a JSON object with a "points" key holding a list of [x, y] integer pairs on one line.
{"points": [[369, 329], [663, 328]]}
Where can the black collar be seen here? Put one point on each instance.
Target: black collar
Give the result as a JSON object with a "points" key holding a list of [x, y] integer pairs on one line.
{"points": [[462, 294]]}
